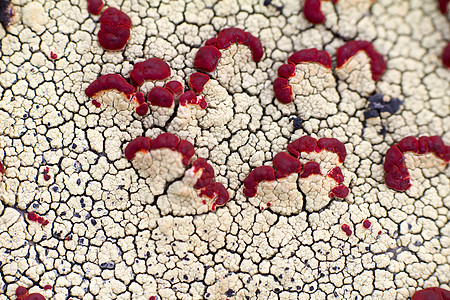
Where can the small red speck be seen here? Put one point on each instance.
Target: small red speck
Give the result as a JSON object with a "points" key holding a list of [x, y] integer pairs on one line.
{"points": [[40, 220], [46, 222], [68, 238], [47, 287], [46, 177], [152, 298], [203, 202], [262, 208], [379, 232], [269, 204], [53, 55], [96, 103], [367, 224], [346, 229]]}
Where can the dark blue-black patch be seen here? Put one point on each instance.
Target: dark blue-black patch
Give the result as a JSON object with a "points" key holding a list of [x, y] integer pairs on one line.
{"points": [[296, 121], [377, 105], [6, 12]]}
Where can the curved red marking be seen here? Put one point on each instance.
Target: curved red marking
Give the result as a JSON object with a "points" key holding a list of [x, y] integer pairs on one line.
{"points": [[47, 287], [282, 90], [2, 168], [310, 168], [255, 46], [312, 12], [114, 30], [109, 82], [349, 49], [207, 58], [304, 144], [332, 145], [336, 174], [175, 87], [151, 69], [346, 228], [197, 82], [311, 55], [443, 6], [397, 175], [140, 143], [286, 165], [281, 86], [53, 55], [159, 96], [95, 6], [257, 175], [432, 293]]}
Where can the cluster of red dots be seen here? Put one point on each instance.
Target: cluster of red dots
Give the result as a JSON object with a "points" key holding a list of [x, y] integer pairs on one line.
{"points": [[348, 231], [32, 216], [22, 293]]}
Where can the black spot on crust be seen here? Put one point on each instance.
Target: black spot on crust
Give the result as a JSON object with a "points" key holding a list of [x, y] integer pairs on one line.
{"points": [[6, 12]]}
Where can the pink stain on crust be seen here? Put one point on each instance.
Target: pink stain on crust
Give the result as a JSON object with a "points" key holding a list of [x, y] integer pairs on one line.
{"points": [[197, 82], [446, 56], [95, 6], [164, 140], [349, 49], [281, 86], [114, 29], [207, 186], [397, 175], [432, 293], [109, 82], [151, 69]]}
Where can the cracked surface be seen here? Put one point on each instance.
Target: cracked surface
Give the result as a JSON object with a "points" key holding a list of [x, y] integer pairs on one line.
{"points": [[110, 236]]}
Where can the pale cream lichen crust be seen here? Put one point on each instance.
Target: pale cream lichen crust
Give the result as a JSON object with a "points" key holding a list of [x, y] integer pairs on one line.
{"points": [[121, 230]]}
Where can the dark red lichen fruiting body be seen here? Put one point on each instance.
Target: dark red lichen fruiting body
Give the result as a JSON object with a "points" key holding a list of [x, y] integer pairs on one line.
{"points": [[312, 12], [443, 6], [286, 71], [349, 49], [346, 228], [304, 144], [142, 108], [311, 55], [207, 58], [262, 173], [432, 293], [332, 145], [34, 296], [175, 87], [189, 97], [159, 96], [21, 291], [310, 168], [336, 174], [140, 143], [95, 6], [32, 216], [2, 168], [53, 55], [109, 82], [340, 191], [367, 224], [47, 287], [446, 56], [197, 82], [286, 165], [151, 69], [282, 90], [187, 150], [165, 140], [114, 29]]}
